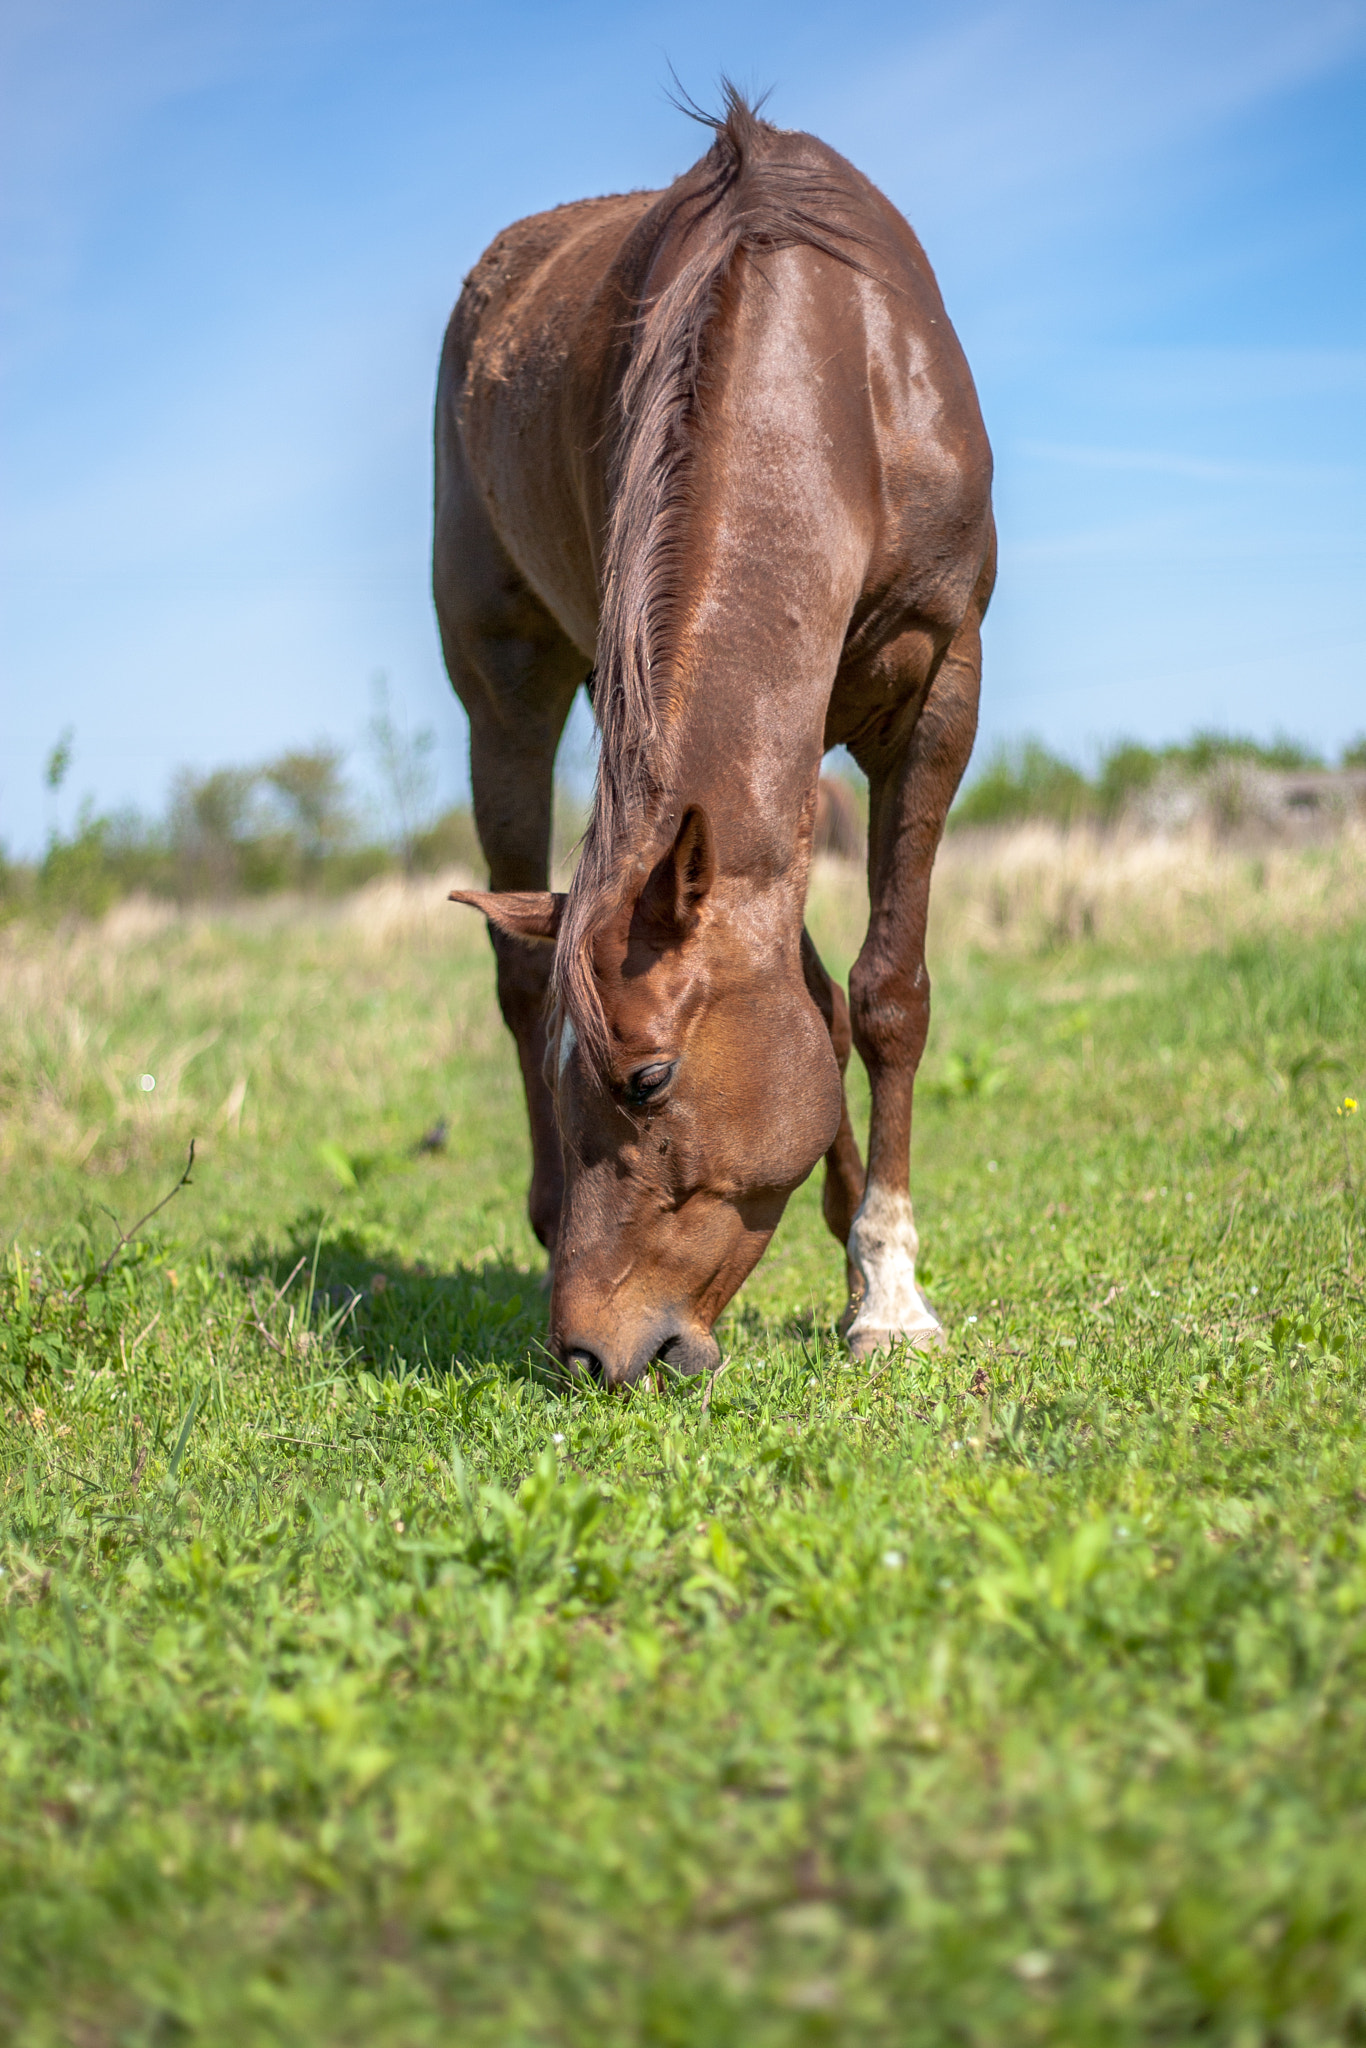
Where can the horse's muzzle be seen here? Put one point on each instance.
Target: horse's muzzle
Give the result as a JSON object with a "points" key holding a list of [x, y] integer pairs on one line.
{"points": [[681, 1348]]}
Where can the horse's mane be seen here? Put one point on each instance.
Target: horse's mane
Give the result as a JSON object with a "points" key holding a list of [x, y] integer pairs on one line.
{"points": [[741, 196]]}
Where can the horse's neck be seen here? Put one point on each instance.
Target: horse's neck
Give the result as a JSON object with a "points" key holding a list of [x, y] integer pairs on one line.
{"points": [[768, 570]]}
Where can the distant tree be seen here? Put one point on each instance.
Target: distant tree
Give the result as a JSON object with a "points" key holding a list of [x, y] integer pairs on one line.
{"points": [[406, 769], [55, 772], [309, 783], [59, 760], [215, 808], [211, 818], [1355, 755]]}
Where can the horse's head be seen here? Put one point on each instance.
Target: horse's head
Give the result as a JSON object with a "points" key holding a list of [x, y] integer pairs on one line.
{"points": [[712, 1094]]}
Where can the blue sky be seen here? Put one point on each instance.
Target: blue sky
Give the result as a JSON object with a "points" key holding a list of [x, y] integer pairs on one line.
{"points": [[230, 236]]}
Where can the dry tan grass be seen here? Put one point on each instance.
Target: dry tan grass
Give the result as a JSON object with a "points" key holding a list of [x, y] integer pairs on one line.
{"points": [[1038, 888], [396, 910], [225, 1006], [243, 1015], [1022, 889], [1034, 889]]}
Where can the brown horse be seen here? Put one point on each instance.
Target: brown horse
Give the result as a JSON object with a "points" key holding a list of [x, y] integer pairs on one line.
{"points": [[838, 828], [721, 443]]}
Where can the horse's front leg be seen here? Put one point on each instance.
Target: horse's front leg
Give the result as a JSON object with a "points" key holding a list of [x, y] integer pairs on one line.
{"points": [[889, 995]]}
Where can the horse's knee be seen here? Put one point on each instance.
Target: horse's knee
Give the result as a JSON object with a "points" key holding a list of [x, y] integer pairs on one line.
{"points": [[890, 1013]]}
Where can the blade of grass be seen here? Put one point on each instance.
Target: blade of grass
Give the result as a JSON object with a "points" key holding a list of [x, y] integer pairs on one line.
{"points": [[186, 1426]]}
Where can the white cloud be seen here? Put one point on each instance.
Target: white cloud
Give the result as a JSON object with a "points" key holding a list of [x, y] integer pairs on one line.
{"points": [[1028, 95]]}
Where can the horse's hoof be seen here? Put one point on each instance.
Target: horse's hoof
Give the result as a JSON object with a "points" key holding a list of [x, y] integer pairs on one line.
{"points": [[864, 1339]]}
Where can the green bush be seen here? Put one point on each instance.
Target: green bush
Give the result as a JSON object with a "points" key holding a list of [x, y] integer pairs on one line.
{"points": [[78, 874], [1208, 750], [1125, 772], [451, 842], [1025, 781], [287, 825]]}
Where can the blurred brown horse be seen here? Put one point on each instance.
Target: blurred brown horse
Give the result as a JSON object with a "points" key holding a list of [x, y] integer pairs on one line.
{"points": [[838, 830], [722, 443]]}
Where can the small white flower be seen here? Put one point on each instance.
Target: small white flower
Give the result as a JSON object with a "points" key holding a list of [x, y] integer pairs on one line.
{"points": [[558, 1437], [893, 1560], [972, 1319], [148, 1083], [1254, 1290]]}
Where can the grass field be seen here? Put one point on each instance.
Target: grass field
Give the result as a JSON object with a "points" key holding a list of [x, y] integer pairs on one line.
{"points": [[360, 1688]]}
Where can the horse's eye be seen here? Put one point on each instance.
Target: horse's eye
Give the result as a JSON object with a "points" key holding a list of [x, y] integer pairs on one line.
{"points": [[647, 1082]]}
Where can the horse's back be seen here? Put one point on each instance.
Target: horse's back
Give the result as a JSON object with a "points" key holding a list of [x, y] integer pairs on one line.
{"points": [[529, 412]]}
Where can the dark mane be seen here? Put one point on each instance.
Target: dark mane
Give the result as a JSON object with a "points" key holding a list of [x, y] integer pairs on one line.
{"points": [[741, 196]]}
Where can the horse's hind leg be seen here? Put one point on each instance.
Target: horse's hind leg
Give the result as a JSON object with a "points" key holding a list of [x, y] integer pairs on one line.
{"points": [[910, 789], [515, 672], [843, 1165]]}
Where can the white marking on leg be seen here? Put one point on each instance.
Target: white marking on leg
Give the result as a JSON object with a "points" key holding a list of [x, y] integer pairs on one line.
{"points": [[569, 1038], [883, 1245]]}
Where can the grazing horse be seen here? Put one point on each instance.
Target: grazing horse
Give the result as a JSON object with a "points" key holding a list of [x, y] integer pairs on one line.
{"points": [[838, 829], [721, 444]]}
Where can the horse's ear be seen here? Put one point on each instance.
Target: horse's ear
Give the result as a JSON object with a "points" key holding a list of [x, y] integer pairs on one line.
{"points": [[521, 913], [679, 886]]}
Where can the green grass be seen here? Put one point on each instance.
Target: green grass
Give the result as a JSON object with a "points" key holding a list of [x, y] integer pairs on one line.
{"points": [[360, 1688]]}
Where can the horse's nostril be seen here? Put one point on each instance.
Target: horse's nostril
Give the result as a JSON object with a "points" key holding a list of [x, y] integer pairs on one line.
{"points": [[584, 1365], [689, 1352]]}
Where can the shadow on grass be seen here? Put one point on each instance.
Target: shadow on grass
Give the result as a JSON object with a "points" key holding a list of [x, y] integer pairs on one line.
{"points": [[396, 1315], [393, 1315], [748, 1327]]}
